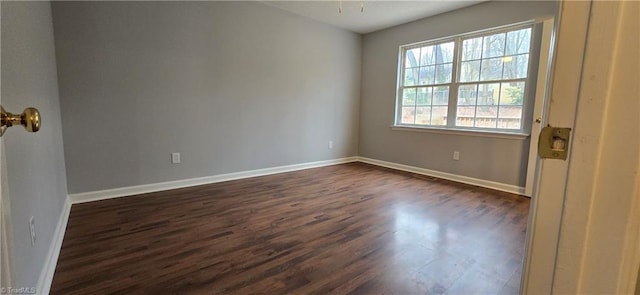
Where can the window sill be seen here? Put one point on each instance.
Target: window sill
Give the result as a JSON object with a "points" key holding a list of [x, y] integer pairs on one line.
{"points": [[463, 132]]}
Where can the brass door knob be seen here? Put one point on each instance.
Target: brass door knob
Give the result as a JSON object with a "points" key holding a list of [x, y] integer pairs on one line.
{"points": [[30, 119]]}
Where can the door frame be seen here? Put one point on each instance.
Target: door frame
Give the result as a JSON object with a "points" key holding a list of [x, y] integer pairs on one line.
{"points": [[584, 225], [550, 180], [5, 224], [5, 220], [6, 234], [546, 53]]}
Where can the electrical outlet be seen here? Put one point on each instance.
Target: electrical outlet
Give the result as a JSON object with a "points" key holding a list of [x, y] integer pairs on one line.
{"points": [[175, 158], [456, 155], [32, 230], [330, 144]]}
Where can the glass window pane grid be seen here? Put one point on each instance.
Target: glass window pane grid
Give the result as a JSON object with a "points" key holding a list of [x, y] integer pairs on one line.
{"points": [[415, 73], [457, 49], [433, 60], [483, 57], [484, 121], [416, 107]]}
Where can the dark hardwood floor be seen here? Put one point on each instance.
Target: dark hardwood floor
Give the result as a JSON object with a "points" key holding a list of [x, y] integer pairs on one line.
{"points": [[351, 228]]}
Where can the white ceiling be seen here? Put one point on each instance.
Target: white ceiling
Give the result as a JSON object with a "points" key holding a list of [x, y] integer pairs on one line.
{"points": [[377, 15]]}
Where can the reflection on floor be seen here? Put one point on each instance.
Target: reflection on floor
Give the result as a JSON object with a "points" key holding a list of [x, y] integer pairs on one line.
{"points": [[332, 230]]}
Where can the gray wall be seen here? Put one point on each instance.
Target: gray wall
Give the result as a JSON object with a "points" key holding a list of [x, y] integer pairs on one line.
{"points": [[35, 161], [231, 86], [500, 160]]}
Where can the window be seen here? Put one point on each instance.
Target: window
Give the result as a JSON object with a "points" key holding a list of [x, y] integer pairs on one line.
{"points": [[473, 81]]}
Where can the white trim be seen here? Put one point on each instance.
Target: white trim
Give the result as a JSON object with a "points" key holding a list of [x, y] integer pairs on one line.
{"points": [[6, 231], [541, 272], [453, 177], [46, 276], [162, 186], [168, 185], [462, 132], [542, 91]]}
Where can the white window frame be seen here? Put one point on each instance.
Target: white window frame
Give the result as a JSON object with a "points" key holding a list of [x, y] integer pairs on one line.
{"points": [[455, 84]]}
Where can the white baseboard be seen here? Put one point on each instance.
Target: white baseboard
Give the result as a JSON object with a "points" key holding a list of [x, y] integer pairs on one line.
{"points": [[453, 177], [46, 276], [162, 186]]}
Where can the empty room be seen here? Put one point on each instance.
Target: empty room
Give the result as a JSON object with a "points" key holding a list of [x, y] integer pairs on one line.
{"points": [[319, 147]]}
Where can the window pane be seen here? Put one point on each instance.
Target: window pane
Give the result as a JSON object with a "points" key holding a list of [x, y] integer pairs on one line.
{"points": [[512, 93], [518, 41], [426, 56], [491, 69], [488, 94], [509, 117], [411, 76], [408, 115], [439, 116], [472, 48], [466, 116], [515, 66], [522, 65], [493, 45], [411, 58], [441, 95], [409, 97], [444, 52], [443, 73], [484, 97], [470, 71], [486, 116], [467, 94], [424, 95], [423, 115], [427, 75]]}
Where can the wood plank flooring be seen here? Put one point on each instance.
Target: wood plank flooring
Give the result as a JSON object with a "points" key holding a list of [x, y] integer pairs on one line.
{"points": [[351, 228]]}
